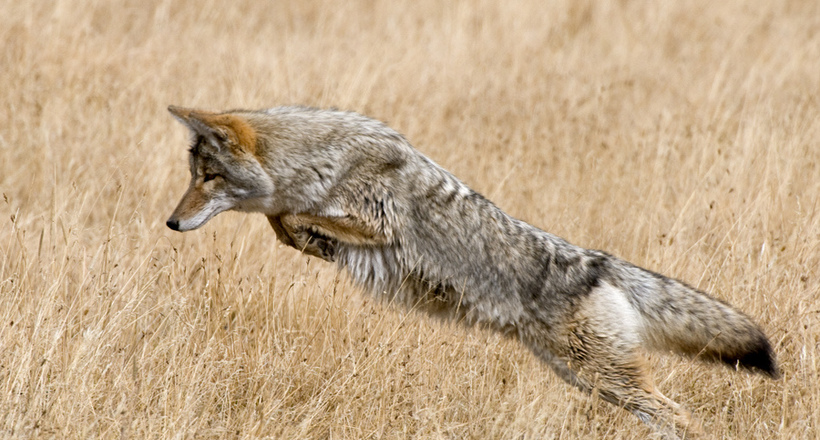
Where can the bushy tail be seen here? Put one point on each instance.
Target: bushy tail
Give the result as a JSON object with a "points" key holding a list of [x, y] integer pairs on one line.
{"points": [[687, 321]]}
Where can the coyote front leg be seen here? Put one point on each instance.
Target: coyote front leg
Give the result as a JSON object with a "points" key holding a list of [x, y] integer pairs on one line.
{"points": [[298, 234]]}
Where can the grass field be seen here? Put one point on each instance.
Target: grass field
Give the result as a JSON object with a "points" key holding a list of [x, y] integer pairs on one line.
{"points": [[681, 136]]}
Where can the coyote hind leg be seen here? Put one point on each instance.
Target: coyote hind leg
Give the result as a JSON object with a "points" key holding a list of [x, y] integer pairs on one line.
{"points": [[622, 380], [598, 347]]}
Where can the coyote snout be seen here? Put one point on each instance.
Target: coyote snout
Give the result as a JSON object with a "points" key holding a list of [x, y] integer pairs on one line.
{"points": [[348, 189], [198, 205]]}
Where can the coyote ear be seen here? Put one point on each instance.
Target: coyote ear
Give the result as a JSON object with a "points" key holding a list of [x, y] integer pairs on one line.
{"points": [[180, 113], [193, 119], [219, 129]]}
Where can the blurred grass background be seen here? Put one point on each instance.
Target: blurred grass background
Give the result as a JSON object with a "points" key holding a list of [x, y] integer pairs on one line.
{"points": [[681, 136]]}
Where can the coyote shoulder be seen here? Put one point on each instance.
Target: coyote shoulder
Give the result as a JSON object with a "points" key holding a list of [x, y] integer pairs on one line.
{"points": [[348, 189]]}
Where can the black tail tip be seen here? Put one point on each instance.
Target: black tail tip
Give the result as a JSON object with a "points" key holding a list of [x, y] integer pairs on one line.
{"points": [[173, 224], [759, 359]]}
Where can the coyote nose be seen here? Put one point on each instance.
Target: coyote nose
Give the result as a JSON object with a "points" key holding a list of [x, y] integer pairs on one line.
{"points": [[173, 224]]}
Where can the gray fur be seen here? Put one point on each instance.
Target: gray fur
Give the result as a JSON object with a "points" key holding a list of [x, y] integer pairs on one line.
{"points": [[350, 190]]}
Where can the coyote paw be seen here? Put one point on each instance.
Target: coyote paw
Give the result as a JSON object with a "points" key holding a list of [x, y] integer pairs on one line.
{"points": [[303, 236], [314, 243]]}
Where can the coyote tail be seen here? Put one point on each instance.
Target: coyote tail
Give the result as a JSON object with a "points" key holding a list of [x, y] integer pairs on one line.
{"points": [[689, 322]]}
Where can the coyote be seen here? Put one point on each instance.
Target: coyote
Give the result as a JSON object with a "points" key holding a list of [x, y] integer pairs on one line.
{"points": [[348, 189]]}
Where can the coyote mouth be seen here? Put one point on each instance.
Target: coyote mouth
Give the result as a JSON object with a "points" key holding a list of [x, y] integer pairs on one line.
{"points": [[210, 210]]}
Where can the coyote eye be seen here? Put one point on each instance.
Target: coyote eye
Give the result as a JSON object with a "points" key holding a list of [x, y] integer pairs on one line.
{"points": [[208, 177]]}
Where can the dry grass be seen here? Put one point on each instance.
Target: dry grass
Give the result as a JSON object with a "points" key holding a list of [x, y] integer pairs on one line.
{"points": [[682, 136]]}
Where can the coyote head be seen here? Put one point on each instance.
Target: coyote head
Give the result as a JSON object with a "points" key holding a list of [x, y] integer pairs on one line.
{"points": [[226, 172]]}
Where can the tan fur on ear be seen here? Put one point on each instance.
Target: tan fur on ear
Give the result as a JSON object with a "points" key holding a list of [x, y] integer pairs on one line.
{"points": [[185, 114], [179, 112], [233, 128], [238, 130]]}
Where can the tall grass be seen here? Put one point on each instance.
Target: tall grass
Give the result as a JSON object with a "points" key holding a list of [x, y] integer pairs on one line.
{"points": [[682, 136]]}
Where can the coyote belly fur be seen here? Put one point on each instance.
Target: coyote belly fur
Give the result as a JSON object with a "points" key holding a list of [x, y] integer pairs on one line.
{"points": [[348, 189]]}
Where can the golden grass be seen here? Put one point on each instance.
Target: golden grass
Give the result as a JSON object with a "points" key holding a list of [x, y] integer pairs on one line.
{"points": [[682, 136]]}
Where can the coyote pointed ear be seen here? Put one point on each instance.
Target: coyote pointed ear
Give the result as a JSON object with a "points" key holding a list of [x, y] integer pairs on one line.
{"points": [[192, 119], [219, 129]]}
